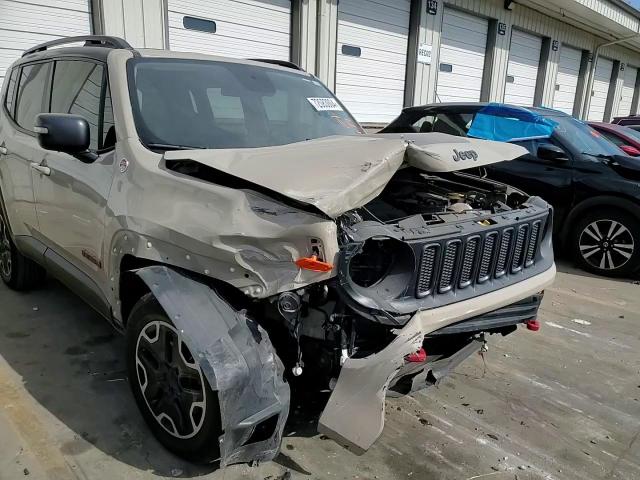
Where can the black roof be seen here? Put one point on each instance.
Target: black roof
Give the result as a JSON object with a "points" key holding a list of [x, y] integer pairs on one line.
{"points": [[466, 106]]}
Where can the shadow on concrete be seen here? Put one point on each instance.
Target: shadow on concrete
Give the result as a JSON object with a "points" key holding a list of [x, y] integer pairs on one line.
{"points": [[72, 363], [567, 266]]}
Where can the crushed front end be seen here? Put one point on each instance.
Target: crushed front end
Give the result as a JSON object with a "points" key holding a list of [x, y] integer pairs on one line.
{"points": [[425, 271]]}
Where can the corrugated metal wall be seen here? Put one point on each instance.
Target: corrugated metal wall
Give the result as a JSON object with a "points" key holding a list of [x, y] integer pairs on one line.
{"points": [[143, 23]]}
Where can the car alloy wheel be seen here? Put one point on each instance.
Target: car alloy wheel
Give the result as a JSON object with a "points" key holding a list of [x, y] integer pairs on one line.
{"points": [[5, 250], [606, 244], [170, 380]]}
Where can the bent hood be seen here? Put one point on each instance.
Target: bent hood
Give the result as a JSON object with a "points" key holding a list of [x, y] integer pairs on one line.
{"points": [[439, 152], [337, 174]]}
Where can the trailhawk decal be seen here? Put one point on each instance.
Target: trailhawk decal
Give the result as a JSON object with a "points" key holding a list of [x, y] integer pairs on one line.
{"points": [[325, 104], [464, 155]]}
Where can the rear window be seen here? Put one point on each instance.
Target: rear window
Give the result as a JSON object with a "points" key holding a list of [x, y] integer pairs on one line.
{"points": [[11, 90]]}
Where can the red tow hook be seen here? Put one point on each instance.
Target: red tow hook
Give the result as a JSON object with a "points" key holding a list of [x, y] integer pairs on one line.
{"points": [[418, 357], [533, 325]]}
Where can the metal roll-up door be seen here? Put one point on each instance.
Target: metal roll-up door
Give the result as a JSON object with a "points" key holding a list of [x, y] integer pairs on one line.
{"points": [[600, 91], [567, 79], [26, 23], [371, 57], [523, 67], [628, 88], [462, 51], [241, 29]]}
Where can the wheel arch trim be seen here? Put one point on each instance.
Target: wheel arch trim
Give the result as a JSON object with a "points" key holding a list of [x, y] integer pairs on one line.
{"points": [[235, 355], [596, 202]]}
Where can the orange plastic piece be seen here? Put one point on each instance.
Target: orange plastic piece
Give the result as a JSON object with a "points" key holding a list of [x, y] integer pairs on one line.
{"points": [[313, 264]]}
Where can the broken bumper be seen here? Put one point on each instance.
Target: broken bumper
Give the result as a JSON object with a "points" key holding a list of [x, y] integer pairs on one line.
{"points": [[355, 412]]}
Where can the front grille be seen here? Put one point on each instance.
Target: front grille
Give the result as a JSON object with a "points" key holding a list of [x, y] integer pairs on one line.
{"points": [[449, 265], [427, 269], [453, 265]]}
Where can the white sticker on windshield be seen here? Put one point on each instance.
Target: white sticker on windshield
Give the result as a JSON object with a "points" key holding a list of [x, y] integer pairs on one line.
{"points": [[325, 104]]}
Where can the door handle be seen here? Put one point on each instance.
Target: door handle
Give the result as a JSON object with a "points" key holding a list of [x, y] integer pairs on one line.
{"points": [[3, 150], [42, 169]]}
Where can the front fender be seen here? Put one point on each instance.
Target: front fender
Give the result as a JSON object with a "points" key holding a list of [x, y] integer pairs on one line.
{"points": [[236, 357]]}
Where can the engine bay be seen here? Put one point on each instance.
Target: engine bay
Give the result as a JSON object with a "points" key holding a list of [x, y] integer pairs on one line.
{"points": [[413, 192]]}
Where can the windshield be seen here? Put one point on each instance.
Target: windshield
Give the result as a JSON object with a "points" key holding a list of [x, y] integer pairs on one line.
{"points": [[630, 132], [206, 104], [583, 138]]}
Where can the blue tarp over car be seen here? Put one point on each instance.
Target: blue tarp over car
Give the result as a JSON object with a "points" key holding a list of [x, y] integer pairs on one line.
{"points": [[505, 123]]}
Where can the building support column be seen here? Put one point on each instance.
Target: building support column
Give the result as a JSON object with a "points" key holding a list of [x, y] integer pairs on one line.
{"points": [[581, 87], [304, 33], [429, 33], [142, 23], [636, 94], [613, 89], [327, 41]]}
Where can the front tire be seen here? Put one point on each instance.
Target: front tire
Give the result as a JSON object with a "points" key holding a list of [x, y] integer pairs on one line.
{"points": [[170, 389], [17, 271], [607, 242]]}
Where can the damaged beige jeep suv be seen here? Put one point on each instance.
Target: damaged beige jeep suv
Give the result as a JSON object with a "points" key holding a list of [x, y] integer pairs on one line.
{"points": [[234, 221]]}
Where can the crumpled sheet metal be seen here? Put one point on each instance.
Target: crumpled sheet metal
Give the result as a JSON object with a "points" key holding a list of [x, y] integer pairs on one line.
{"points": [[439, 152], [235, 355], [354, 414]]}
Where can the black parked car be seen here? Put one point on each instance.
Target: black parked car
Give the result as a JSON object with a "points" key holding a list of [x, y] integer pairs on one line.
{"points": [[594, 189]]}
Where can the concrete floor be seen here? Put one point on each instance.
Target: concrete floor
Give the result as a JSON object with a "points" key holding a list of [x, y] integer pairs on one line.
{"points": [[563, 403]]}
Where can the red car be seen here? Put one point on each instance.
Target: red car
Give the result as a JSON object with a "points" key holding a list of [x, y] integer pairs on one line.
{"points": [[625, 138]]}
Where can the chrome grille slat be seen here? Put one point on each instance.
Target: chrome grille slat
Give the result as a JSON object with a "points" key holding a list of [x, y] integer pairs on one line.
{"points": [[461, 263]]}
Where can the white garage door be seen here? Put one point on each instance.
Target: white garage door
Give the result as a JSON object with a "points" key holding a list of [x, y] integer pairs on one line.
{"points": [[522, 71], [567, 79], [371, 57], [26, 23], [601, 82], [462, 51], [231, 28], [628, 87]]}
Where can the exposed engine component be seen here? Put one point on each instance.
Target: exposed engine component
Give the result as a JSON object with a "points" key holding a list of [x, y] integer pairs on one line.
{"points": [[413, 192]]}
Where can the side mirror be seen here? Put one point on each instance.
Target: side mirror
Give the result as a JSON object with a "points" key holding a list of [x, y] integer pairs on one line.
{"points": [[629, 150], [63, 132], [547, 151]]}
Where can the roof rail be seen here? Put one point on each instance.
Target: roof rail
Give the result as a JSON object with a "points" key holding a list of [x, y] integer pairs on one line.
{"points": [[282, 63], [89, 41]]}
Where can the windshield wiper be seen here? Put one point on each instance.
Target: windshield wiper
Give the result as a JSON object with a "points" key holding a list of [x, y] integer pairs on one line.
{"points": [[164, 146]]}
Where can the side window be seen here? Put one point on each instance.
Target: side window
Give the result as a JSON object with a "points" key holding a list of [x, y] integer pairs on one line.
{"points": [[531, 147], [453, 123], [77, 87], [424, 124], [11, 90], [31, 99], [108, 136], [616, 140]]}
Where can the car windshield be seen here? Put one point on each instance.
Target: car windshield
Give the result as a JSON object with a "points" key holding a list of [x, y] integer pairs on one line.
{"points": [[583, 138], [630, 132], [208, 104]]}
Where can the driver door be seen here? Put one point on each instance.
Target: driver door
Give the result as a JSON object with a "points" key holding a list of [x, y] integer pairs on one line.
{"points": [[70, 195]]}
